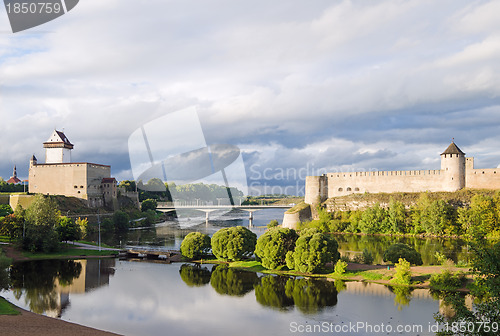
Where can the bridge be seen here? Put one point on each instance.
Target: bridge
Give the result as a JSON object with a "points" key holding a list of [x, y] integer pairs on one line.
{"points": [[207, 208]]}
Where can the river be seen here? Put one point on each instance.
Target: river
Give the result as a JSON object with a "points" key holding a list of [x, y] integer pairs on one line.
{"points": [[155, 298]]}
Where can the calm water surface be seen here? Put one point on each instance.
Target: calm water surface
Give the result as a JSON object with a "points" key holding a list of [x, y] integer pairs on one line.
{"points": [[141, 298], [146, 298]]}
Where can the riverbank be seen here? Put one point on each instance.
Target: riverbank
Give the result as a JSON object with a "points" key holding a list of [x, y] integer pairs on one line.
{"points": [[76, 252], [380, 274], [29, 324]]}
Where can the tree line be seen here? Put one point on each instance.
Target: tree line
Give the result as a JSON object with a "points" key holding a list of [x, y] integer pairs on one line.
{"points": [[430, 217]]}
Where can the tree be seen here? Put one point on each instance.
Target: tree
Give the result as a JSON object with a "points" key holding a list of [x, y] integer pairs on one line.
{"points": [[42, 217], [195, 245], [121, 221], [273, 246], [486, 308], [403, 273], [83, 225], [11, 226], [234, 243], [399, 250], [313, 250], [374, 220], [229, 281], [194, 275], [396, 217], [68, 229], [149, 204], [5, 210]]}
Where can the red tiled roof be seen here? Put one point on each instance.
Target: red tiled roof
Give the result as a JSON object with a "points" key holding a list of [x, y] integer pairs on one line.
{"points": [[14, 180], [108, 180]]}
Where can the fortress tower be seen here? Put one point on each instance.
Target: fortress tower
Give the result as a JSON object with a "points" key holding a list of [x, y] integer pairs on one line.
{"points": [[453, 168], [57, 148], [457, 172]]}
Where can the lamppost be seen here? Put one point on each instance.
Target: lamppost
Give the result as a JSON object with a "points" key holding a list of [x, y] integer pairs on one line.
{"points": [[99, 222]]}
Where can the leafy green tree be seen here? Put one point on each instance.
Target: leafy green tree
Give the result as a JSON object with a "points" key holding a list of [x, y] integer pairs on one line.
{"points": [[396, 217], [272, 224], [68, 229], [233, 243], [399, 250], [194, 275], [149, 204], [273, 246], [5, 210], [403, 273], [11, 226], [481, 217], [42, 217], [195, 245], [121, 221], [374, 220], [128, 185], [83, 225], [486, 289], [340, 267], [313, 250], [228, 281]]}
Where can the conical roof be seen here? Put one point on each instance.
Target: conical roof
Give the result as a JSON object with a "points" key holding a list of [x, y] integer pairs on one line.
{"points": [[453, 149]]}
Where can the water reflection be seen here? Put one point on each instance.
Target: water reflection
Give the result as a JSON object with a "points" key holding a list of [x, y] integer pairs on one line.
{"points": [[45, 285], [228, 281], [195, 275]]}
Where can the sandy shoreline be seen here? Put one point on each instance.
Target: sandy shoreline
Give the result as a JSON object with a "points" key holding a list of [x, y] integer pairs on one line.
{"points": [[29, 324]]}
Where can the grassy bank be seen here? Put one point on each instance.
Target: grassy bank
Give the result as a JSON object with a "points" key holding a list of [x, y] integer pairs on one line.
{"points": [[69, 253], [6, 308]]}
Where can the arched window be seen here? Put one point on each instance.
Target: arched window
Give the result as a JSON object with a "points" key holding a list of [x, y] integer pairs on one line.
{"points": [[356, 189], [349, 189], [340, 189]]}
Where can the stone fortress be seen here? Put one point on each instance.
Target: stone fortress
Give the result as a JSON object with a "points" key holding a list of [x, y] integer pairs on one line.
{"points": [[457, 172], [91, 182]]}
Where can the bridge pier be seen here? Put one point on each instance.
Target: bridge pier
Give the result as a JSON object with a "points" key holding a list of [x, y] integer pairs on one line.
{"points": [[250, 216]]}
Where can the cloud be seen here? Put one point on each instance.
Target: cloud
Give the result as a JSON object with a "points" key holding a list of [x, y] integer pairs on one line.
{"points": [[296, 77]]}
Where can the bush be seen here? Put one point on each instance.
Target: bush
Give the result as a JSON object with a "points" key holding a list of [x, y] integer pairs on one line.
{"points": [[121, 221], [195, 245], [149, 204], [272, 224], [340, 267], [273, 246], [398, 250], [234, 243], [312, 251], [447, 281], [403, 273]]}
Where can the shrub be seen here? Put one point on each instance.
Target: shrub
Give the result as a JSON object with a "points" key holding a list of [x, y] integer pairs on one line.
{"points": [[149, 204], [312, 251], [234, 243], [447, 281], [340, 267], [272, 224], [403, 273], [195, 245], [273, 246], [398, 250]]}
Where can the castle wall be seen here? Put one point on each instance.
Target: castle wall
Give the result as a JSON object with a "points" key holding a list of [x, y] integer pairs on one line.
{"points": [[316, 186], [483, 178], [82, 180], [345, 183]]}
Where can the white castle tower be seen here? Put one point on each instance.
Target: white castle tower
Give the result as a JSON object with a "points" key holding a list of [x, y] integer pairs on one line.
{"points": [[453, 167], [57, 148]]}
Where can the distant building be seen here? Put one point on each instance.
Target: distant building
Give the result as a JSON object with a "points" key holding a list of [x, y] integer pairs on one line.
{"points": [[59, 176], [456, 172], [13, 179]]}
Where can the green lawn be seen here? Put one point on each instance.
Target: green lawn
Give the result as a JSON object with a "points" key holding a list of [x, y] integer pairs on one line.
{"points": [[6, 308], [70, 252]]}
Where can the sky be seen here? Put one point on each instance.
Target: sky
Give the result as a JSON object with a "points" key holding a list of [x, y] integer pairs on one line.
{"points": [[300, 87]]}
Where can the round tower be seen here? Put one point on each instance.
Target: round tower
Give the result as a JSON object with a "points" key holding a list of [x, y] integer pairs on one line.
{"points": [[453, 168]]}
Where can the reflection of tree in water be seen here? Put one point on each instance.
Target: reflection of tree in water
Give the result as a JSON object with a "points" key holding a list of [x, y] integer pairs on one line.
{"points": [[310, 296], [36, 280], [228, 281], [270, 292], [403, 295], [194, 275], [4, 274], [340, 285]]}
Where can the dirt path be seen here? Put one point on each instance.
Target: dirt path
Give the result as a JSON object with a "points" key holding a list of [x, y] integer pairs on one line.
{"points": [[29, 324], [12, 253]]}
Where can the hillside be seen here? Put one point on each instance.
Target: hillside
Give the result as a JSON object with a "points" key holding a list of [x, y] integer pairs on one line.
{"points": [[361, 201]]}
